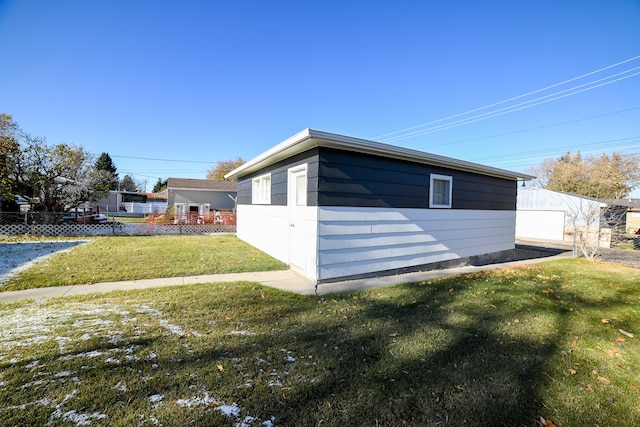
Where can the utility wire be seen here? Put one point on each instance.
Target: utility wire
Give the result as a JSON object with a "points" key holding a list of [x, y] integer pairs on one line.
{"points": [[593, 147], [520, 106], [538, 127], [507, 100], [165, 160]]}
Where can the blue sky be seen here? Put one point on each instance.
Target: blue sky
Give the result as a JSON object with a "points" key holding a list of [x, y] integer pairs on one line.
{"points": [[169, 88]]}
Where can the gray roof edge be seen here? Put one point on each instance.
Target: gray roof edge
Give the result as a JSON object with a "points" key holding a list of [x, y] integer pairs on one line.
{"points": [[309, 138], [222, 190]]}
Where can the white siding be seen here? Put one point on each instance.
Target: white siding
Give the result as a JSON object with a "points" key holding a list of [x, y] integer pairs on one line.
{"points": [[365, 240], [265, 227], [540, 224], [310, 244], [545, 200], [345, 241]]}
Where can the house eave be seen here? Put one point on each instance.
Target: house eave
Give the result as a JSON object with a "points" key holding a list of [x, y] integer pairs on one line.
{"points": [[310, 138]]}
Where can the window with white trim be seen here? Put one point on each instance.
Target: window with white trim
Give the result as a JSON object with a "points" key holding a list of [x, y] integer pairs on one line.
{"points": [[261, 190], [440, 191]]}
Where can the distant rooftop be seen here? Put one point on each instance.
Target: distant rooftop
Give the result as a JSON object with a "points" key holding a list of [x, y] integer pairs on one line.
{"points": [[201, 184]]}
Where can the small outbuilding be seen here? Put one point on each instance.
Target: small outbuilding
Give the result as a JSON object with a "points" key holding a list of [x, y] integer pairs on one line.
{"points": [[337, 207], [552, 215]]}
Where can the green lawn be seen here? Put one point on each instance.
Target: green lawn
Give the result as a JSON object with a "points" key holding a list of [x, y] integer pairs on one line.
{"points": [[110, 259], [556, 342]]}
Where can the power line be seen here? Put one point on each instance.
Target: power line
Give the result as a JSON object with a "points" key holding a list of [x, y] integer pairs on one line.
{"points": [[538, 127], [528, 157], [521, 106], [165, 160], [504, 101]]}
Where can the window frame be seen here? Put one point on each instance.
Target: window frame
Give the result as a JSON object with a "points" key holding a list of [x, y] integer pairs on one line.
{"points": [[261, 190], [294, 173], [449, 180]]}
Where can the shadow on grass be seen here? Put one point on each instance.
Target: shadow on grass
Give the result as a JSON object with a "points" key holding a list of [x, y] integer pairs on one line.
{"points": [[462, 351], [425, 355], [474, 350]]}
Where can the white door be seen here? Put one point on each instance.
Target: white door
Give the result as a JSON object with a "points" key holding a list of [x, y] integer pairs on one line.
{"points": [[297, 202]]}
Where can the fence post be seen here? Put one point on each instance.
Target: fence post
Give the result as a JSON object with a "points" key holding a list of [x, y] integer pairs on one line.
{"points": [[27, 229]]}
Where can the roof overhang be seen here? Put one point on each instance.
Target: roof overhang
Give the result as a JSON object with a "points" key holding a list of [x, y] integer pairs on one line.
{"points": [[310, 138]]}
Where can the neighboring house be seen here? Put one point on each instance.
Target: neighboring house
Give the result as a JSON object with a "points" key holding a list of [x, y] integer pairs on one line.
{"points": [[551, 215], [199, 196], [335, 207], [631, 213]]}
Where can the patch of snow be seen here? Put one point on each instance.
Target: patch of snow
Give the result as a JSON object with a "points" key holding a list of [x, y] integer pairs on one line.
{"points": [[270, 423], [34, 383], [79, 419], [32, 364], [16, 257], [37, 323], [196, 401], [71, 417], [156, 398], [232, 410], [174, 329]]}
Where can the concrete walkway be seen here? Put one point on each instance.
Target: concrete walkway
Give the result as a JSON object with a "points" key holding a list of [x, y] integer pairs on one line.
{"points": [[286, 280]]}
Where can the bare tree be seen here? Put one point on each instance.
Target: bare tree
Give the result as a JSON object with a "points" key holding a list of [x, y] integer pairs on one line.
{"points": [[61, 175], [583, 219]]}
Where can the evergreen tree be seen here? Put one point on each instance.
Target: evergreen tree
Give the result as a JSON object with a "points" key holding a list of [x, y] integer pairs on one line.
{"points": [[128, 184], [107, 167], [160, 185]]}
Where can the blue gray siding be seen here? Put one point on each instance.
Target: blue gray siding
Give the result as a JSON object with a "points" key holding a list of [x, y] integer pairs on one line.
{"points": [[343, 178]]}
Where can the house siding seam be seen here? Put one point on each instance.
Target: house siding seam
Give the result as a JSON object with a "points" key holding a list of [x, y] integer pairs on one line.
{"points": [[354, 179], [342, 178], [359, 241]]}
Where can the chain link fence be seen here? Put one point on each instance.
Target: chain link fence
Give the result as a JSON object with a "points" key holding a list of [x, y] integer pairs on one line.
{"points": [[624, 257], [68, 224], [625, 249]]}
